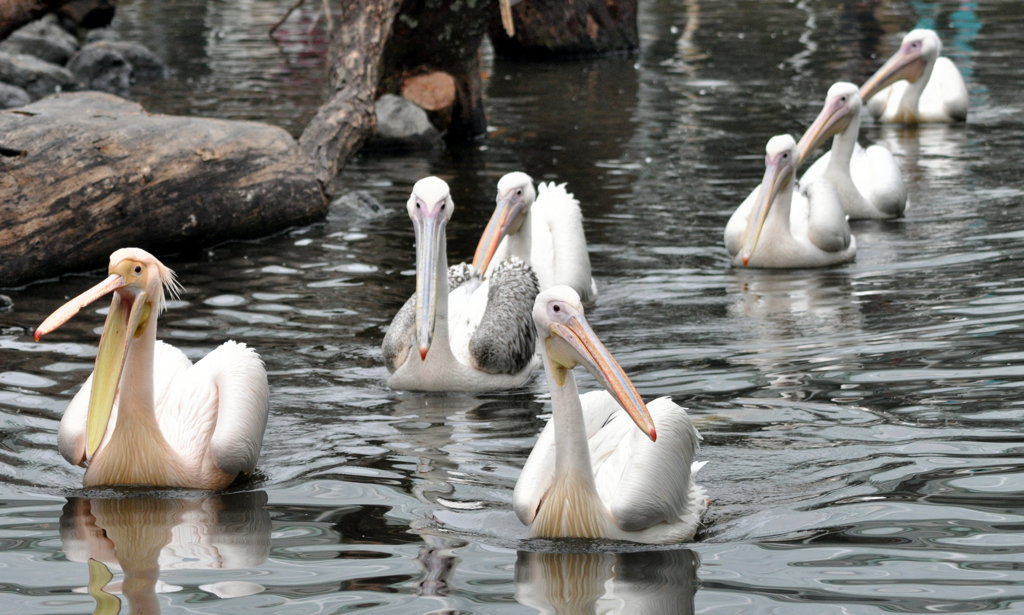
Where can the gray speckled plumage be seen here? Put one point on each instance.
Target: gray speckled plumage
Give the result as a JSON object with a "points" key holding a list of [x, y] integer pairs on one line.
{"points": [[505, 340], [401, 335]]}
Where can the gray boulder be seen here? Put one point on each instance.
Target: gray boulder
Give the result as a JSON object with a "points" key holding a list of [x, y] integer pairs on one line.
{"points": [[98, 67], [402, 124], [33, 75], [12, 96], [44, 39]]}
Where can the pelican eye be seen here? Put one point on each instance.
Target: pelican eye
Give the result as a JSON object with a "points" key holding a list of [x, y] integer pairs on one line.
{"points": [[138, 269], [556, 308]]}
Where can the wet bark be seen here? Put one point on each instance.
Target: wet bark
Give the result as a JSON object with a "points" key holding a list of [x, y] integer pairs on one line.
{"points": [[82, 174], [347, 118], [546, 28]]}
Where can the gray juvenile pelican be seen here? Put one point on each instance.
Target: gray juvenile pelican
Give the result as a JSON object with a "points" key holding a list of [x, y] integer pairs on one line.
{"points": [[459, 332], [917, 85], [868, 181], [544, 228], [592, 473], [146, 415], [779, 229]]}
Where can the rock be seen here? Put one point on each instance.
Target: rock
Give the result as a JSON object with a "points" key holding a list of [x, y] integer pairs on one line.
{"points": [[113, 66], [101, 34], [44, 39], [100, 67], [33, 75], [12, 96], [84, 173], [359, 204], [146, 66], [402, 124]]}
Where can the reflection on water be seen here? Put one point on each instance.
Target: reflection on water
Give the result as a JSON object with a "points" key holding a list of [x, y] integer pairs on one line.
{"points": [[649, 582], [861, 423], [134, 538]]}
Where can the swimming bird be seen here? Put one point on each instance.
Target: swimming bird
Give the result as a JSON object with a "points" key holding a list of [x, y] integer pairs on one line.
{"points": [[544, 228], [592, 472], [868, 181], [146, 416], [778, 228], [459, 332], [917, 85]]}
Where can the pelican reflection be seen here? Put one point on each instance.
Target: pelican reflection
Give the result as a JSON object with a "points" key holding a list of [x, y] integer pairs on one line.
{"points": [[127, 542], [649, 582]]}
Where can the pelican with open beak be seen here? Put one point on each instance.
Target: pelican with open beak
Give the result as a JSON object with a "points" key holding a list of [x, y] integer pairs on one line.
{"points": [[917, 85], [542, 227], [146, 416], [459, 332], [868, 181], [607, 465], [778, 228]]}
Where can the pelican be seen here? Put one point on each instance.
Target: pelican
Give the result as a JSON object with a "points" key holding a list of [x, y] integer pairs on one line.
{"points": [[592, 474], [868, 181], [544, 228], [146, 416], [917, 85], [478, 332], [777, 229]]}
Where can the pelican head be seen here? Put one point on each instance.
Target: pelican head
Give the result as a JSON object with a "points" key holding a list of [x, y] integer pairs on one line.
{"points": [[842, 106], [569, 341], [430, 206], [515, 196], [780, 162], [917, 52], [138, 281]]}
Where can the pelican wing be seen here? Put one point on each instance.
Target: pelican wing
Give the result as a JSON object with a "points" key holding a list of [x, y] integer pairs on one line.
{"points": [[879, 178], [946, 93], [737, 225], [558, 250], [644, 483], [826, 226], [400, 335], [71, 433], [504, 341], [223, 399]]}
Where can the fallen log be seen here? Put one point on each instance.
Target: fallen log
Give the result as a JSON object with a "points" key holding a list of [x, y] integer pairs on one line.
{"points": [[82, 174]]}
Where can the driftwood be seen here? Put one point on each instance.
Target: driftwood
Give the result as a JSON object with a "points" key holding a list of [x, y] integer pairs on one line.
{"points": [[82, 174], [347, 118], [546, 28]]}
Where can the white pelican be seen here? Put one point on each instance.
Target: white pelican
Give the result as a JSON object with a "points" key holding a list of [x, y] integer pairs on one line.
{"points": [[917, 85], [592, 474], [146, 415], [478, 333], [775, 228], [544, 228], [868, 181]]}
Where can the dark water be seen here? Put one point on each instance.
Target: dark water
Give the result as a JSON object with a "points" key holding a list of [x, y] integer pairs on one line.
{"points": [[862, 424]]}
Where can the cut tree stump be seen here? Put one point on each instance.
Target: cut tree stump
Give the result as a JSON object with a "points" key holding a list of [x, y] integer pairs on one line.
{"points": [[82, 174]]}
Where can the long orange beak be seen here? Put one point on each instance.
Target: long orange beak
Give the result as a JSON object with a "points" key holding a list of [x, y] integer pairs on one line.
{"points": [[506, 214], [904, 64], [590, 352], [833, 118], [776, 174]]}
